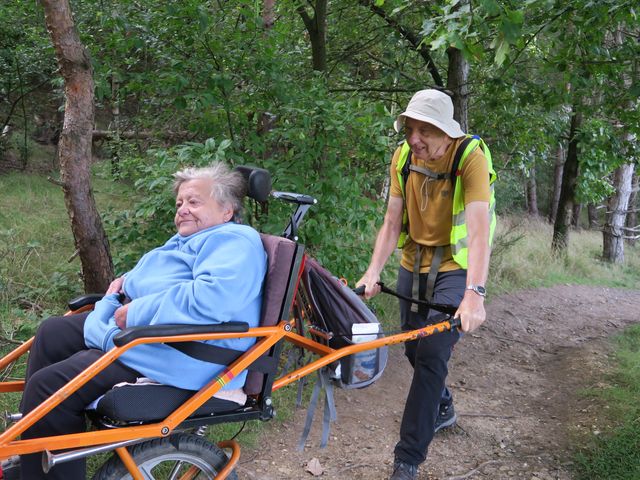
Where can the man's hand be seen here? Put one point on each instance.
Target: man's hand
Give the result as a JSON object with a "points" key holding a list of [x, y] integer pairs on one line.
{"points": [[121, 316], [370, 281], [471, 311], [116, 286]]}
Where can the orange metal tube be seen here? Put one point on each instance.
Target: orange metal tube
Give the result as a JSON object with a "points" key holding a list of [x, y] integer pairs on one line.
{"points": [[8, 448], [241, 364], [235, 456], [129, 463], [15, 354], [16, 386], [356, 348]]}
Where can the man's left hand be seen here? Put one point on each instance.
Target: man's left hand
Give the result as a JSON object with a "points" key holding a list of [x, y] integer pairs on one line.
{"points": [[471, 311], [121, 316]]}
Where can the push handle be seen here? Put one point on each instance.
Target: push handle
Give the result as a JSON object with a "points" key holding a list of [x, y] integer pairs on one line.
{"points": [[359, 290]]}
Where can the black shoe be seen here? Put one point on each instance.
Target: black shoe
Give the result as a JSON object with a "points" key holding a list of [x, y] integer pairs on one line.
{"points": [[446, 418], [404, 471]]}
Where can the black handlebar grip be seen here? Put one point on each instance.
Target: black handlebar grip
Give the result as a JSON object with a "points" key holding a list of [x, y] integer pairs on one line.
{"points": [[359, 290]]}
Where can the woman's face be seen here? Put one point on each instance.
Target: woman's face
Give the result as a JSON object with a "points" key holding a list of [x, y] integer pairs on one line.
{"points": [[427, 142], [196, 209]]}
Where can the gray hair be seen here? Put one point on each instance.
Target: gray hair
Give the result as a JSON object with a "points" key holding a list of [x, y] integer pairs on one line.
{"points": [[228, 187]]}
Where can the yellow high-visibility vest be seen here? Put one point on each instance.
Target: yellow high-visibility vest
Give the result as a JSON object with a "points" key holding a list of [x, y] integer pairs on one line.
{"points": [[458, 238]]}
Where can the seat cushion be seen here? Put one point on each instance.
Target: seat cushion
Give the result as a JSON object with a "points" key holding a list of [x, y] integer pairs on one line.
{"points": [[147, 403]]}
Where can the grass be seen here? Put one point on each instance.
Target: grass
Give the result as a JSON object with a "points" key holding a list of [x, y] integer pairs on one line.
{"points": [[522, 258], [614, 453]]}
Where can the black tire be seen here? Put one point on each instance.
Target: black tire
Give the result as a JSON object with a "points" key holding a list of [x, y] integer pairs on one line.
{"points": [[156, 459]]}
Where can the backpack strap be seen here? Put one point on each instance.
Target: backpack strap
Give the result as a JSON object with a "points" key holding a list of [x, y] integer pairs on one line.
{"points": [[458, 156]]}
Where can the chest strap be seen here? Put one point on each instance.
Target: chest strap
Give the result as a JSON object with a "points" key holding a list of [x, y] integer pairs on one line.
{"points": [[430, 173]]}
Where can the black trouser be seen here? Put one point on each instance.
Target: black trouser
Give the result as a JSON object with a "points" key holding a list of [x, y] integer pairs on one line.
{"points": [[57, 355], [429, 357]]}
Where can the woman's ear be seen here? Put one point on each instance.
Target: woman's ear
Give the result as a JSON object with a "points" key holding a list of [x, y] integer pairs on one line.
{"points": [[228, 214]]}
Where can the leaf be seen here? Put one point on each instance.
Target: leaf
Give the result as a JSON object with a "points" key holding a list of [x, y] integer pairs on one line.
{"points": [[379, 3], [314, 467], [501, 52], [491, 7]]}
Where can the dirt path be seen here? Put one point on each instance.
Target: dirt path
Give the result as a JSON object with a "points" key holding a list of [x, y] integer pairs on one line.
{"points": [[515, 384]]}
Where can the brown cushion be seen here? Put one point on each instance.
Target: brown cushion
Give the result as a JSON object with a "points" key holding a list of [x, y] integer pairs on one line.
{"points": [[280, 254]]}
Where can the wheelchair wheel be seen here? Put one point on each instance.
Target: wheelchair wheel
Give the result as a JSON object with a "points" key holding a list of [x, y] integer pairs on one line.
{"points": [[176, 456]]}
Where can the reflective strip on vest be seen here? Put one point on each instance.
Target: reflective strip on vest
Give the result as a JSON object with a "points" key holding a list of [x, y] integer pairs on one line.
{"points": [[458, 238]]}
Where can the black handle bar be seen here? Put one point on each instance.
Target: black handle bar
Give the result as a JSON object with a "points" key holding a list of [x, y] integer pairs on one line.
{"points": [[441, 307]]}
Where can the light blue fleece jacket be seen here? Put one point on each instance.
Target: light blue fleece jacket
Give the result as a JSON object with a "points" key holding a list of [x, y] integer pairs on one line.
{"points": [[212, 276]]}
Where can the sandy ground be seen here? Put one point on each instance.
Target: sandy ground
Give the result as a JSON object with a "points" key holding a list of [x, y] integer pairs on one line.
{"points": [[516, 384]]}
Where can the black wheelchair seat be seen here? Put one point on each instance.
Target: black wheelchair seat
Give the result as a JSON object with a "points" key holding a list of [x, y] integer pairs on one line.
{"points": [[150, 403]]}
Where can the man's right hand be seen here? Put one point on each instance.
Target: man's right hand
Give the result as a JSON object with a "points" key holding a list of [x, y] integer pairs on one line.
{"points": [[370, 281]]}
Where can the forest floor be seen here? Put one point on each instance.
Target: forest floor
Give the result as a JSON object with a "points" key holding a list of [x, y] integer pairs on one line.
{"points": [[517, 386]]}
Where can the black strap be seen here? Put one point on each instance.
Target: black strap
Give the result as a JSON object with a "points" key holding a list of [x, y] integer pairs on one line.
{"points": [[458, 156], [223, 356], [323, 383]]}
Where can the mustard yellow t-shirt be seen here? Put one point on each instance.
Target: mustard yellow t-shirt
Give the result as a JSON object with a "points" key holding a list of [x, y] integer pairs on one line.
{"points": [[429, 203]]}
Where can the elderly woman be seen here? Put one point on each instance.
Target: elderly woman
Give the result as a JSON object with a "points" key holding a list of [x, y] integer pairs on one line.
{"points": [[210, 272]]}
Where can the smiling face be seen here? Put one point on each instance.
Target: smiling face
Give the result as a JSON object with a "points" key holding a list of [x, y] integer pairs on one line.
{"points": [[426, 141], [196, 209]]}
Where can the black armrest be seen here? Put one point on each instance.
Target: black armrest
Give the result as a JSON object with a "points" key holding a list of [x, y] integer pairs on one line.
{"points": [[133, 333], [84, 300]]}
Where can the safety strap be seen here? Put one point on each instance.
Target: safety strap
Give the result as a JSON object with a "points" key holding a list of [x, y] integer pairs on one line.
{"points": [[431, 276], [415, 282], [323, 383], [223, 356]]}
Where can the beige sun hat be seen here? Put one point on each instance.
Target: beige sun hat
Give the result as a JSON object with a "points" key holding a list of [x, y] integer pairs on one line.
{"points": [[434, 107]]}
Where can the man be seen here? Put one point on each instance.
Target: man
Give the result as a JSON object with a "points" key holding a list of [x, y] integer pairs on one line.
{"points": [[448, 224]]}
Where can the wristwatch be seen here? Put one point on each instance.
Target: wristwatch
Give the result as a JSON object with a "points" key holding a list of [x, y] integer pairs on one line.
{"points": [[479, 289]]}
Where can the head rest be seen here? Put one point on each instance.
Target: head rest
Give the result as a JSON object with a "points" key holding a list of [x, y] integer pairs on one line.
{"points": [[258, 182]]}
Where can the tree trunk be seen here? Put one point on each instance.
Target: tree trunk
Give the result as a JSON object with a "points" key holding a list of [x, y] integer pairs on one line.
{"points": [[457, 82], [632, 216], [532, 193], [576, 210], [557, 184], [74, 147], [567, 191], [268, 14], [613, 231], [317, 28], [592, 213]]}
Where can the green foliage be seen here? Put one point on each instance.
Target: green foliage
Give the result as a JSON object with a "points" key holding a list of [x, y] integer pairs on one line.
{"points": [[614, 453]]}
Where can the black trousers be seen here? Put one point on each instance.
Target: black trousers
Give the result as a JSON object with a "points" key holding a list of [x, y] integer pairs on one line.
{"points": [[428, 357], [57, 355]]}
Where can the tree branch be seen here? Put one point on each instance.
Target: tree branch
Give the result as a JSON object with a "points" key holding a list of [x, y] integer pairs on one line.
{"points": [[409, 36]]}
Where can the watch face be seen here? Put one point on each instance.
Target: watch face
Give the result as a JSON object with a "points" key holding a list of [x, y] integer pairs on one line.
{"points": [[481, 290]]}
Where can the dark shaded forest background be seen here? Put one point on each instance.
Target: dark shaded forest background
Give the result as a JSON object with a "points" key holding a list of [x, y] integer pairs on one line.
{"points": [[309, 90]]}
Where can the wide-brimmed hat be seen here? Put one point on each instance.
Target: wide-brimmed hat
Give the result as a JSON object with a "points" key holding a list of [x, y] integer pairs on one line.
{"points": [[434, 107]]}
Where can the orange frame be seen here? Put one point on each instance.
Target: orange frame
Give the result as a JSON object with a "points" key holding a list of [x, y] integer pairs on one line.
{"points": [[267, 338]]}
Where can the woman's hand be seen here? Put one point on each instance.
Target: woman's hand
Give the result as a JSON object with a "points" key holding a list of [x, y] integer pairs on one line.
{"points": [[121, 316], [116, 286]]}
